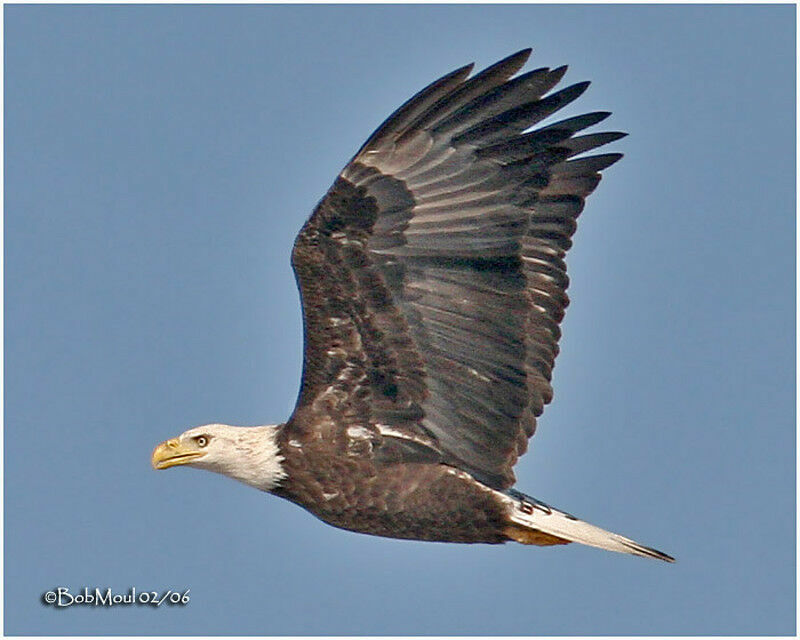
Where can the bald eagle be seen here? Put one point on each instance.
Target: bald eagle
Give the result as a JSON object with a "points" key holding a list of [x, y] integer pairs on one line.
{"points": [[433, 283]]}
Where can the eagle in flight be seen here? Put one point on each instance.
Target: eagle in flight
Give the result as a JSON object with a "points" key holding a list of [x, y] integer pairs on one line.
{"points": [[433, 283]]}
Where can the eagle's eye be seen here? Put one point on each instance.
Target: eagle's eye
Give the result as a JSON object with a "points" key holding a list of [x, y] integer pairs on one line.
{"points": [[202, 441]]}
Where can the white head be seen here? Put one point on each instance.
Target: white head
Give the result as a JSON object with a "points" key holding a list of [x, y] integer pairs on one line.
{"points": [[247, 454]]}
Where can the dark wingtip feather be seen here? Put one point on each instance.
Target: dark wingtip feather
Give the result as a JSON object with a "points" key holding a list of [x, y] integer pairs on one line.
{"points": [[568, 94], [612, 136], [522, 54], [509, 65], [404, 114], [460, 74], [578, 123], [558, 73], [581, 144], [465, 70], [607, 137], [608, 159], [588, 165], [580, 87]]}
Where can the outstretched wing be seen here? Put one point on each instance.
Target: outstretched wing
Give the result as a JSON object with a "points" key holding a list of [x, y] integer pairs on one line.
{"points": [[432, 272]]}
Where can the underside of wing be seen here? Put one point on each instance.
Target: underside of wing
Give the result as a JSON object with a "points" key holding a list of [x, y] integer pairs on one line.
{"points": [[432, 273]]}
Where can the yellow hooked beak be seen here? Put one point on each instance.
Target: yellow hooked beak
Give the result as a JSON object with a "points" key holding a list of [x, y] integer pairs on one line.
{"points": [[174, 452]]}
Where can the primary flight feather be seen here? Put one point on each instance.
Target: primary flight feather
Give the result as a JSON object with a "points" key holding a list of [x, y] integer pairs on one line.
{"points": [[433, 283]]}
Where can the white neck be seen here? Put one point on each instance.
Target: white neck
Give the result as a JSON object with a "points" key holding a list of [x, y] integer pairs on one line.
{"points": [[247, 454]]}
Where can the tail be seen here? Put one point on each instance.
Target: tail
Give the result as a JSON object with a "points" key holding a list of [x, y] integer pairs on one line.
{"points": [[533, 522]]}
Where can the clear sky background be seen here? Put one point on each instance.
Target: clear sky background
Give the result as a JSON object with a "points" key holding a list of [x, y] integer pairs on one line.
{"points": [[160, 160]]}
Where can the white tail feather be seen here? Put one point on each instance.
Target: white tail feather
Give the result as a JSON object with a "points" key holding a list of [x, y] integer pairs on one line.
{"points": [[530, 513]]}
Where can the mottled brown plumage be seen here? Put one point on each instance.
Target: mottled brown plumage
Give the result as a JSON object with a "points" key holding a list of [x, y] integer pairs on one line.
{"points": [[433, 283], [432, 272]]}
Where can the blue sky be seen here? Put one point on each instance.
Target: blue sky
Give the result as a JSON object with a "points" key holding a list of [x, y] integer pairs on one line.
{"points": [[159, 161]]}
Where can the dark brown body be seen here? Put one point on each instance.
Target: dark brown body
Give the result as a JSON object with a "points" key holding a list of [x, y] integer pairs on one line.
{"points": [[351, 487]]}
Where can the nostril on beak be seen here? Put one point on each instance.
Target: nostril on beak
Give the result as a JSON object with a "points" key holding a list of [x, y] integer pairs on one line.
{"points": [[173, 443]]}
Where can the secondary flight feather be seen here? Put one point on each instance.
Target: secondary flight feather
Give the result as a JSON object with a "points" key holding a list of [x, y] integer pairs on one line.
{"points": [[433, 283]]}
